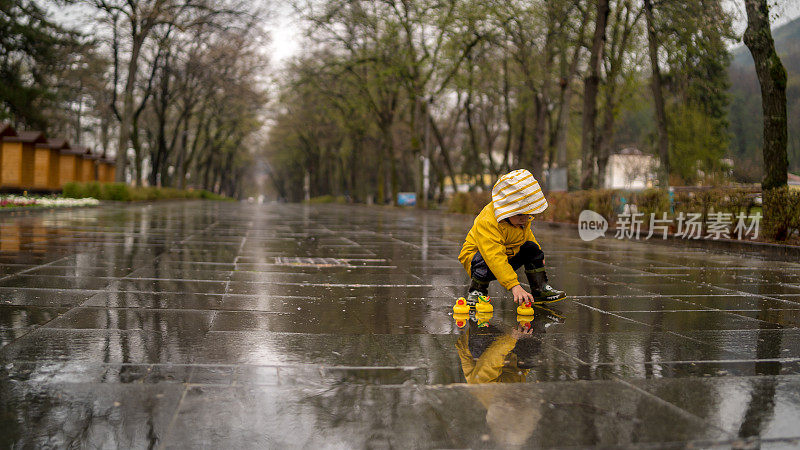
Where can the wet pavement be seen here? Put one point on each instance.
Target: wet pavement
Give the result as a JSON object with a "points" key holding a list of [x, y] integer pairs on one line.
{"points": [[224, 325]]}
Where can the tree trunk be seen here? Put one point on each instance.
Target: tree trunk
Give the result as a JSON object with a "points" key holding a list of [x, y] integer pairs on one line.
{"points": [[522, 141], [589, 139], [539, 129], [606, 136], [541, 104], [105, 125], [658, 98], [772, 78], [565, 96], [388, 142], [508, 116], [126, 121], [138, 176], [562, 123], [201, 130], [445, 152], [477, 165]]}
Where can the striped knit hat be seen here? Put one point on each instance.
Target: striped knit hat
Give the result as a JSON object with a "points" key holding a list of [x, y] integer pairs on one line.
{"points": [[515, 193]]}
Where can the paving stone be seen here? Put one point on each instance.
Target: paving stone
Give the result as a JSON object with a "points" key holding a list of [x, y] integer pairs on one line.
{"points": [[132, 319], [564, 414], [766, 343], [34, 296], [765, 406], [154, 300], [635, 347], [197, 324], [739, 302], [277, 417], [85, 414], [680, 321], [93, 345], [55, 282]]}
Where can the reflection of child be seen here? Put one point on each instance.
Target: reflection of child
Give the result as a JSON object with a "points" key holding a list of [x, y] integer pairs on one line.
{"points": [[489, 356], [501, 241]]}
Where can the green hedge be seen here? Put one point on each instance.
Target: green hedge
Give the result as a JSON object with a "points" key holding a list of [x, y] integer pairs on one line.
{"points": [[126, 193], [782, 213], [327, 199]]}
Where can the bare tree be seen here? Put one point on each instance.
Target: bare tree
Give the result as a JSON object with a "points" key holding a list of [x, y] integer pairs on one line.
{"points": [[133, 23], [589, 137]]}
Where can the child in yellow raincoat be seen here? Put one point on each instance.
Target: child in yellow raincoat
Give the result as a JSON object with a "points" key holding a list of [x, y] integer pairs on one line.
{"points": [[501, 241]]}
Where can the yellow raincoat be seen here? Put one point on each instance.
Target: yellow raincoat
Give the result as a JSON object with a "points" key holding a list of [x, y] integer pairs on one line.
{"points": [[497, 241]]}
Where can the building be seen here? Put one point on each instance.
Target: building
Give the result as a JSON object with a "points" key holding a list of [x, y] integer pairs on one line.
{"points": [[17, 159], [106, 169], [88, 166], [69, 162], [45, 164], [54, 174], [631, 169]]}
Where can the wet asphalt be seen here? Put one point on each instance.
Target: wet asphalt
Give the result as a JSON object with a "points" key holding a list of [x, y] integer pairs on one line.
{"points": [[231, 325]]}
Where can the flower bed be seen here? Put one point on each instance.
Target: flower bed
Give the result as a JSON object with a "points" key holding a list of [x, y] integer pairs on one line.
{"points": [[21, 201]]}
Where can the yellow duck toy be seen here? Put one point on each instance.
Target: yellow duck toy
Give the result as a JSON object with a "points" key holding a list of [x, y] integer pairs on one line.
{"points": [[525, 309], [483, 318], [484, 305], [461, 306], [524, 320], [461, 319]]}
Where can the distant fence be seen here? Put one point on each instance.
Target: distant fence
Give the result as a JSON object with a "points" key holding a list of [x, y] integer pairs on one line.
{"points": [[31, 161]]}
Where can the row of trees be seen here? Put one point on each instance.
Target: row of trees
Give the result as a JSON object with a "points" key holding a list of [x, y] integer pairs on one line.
{"points": [[175, 84], [480, 87]]}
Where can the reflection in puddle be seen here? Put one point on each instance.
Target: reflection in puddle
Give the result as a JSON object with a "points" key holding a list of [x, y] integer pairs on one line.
{"points": [[491, 355]]}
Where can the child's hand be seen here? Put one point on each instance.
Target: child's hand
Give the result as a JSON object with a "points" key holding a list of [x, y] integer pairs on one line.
{"points": [[520, 331], [521, 295]]}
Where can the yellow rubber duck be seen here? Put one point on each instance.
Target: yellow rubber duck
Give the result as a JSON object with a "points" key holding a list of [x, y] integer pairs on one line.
{"points": [[483, 318], [525, 309], [461, 306], [484, 304], [524, 320], [461, 319]]}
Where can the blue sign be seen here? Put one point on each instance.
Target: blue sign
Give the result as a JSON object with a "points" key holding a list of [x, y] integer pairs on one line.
{"points": [[406, 198]]}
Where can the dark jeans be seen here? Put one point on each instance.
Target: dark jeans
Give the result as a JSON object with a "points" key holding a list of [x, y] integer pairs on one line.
{"points": [[529, 255]]}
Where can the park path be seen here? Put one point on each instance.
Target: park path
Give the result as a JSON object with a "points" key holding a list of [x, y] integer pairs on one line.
{"points": [[231, 325]]}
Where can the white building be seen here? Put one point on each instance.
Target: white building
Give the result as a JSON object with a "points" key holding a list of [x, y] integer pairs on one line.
{"points": [[631, 169]]}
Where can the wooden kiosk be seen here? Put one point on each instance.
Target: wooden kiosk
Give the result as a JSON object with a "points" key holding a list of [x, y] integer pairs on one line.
{"points": [[48, 164], [69, 163], [17, 159], [106, 170], [46, 160], [89, 166]]}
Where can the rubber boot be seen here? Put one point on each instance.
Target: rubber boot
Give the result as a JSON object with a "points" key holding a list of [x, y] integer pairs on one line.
{"points": [[543, 292], [477, 289]]}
